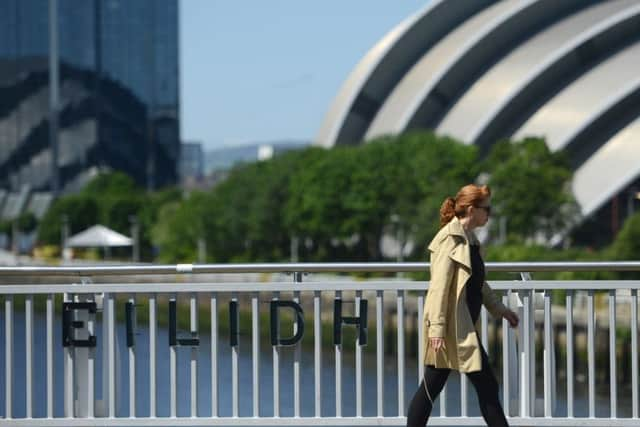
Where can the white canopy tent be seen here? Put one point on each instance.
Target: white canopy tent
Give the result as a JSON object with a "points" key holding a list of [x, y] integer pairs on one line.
{"points": [[98, 236]]}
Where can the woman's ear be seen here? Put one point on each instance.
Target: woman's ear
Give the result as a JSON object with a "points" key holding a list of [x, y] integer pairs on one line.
{"points": [[469, 210]]}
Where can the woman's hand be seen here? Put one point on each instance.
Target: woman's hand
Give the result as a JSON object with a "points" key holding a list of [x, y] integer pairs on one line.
{"points": [[511, 317], [437, 343]]}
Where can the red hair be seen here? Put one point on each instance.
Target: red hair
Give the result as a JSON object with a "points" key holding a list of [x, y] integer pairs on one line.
{"points": [[469, 195]]}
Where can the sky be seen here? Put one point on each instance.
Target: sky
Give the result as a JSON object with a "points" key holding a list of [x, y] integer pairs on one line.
{"points": [[267, 70]]}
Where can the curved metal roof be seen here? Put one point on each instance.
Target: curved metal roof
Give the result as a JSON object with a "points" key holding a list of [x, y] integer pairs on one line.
{"points": [[614, 166], [575, 108], [425, 91], [543, 58], [377, 73], [565, 70]]}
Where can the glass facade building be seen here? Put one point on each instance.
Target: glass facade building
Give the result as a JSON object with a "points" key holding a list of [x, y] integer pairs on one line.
{"points": [[118, 102]]}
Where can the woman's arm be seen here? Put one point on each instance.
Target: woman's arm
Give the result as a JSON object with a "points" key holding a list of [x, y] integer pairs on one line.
{"points": [[496, 307], [492, 302]]}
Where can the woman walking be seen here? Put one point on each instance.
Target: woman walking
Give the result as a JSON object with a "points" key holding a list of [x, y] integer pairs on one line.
{"points": [[456, 293]]}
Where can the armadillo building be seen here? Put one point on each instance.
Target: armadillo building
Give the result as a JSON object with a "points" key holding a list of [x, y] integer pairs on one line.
{"points": [[485, 70]]}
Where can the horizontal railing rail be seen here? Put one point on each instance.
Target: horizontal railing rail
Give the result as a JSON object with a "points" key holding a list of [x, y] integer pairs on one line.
{"points": [[69, 361], [382, 267], [189, 287]]}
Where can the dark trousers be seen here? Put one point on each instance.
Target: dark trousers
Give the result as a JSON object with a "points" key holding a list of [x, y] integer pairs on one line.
{"points": [[434, 379]]}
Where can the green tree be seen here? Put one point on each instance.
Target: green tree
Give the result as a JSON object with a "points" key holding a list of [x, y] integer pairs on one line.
{"points": [[176, 233], [344, 199], [149, 214], [370, 197], [181, 224], [6, 227], [232, 201], [120, 202], [111, 199], [322, 202], [531, 188], [80, 210], [269, 238], [111, 183], [626, 245], [27, 222], [117, 212], [435, 167], [340, 202], [117, 197]]}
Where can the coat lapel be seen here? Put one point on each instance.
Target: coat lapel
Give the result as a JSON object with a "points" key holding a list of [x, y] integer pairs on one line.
{"points": [[460, 253]]}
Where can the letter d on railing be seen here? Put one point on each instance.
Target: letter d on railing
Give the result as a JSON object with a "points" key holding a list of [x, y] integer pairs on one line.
{"points": [[275, 323]]}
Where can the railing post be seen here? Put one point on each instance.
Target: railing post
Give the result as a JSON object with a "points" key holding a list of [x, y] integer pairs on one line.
{"points": [[111, 350], [514, 351], [8, 358], [569, 346], [68, 374], [173, 359], [193, 311], [634, 353], [338, 363], [358, 358], [317, 351], [612, 354], [84, 365], [297, 278], [28, 312], [400, 329], [380, 353], [235, 364], [131, 325], [275, 351], [153, 331], [549, 358], [527, 351], [591, 352], [255, 352], [49, 355]]}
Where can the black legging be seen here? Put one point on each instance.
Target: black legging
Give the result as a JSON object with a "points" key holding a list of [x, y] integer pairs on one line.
{"points": [[484, 382]]}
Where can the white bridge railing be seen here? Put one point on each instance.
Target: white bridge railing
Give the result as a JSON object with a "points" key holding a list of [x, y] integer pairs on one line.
{"points": [[82, 353]]}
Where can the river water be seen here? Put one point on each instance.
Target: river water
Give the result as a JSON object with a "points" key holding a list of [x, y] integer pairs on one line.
{"points": [[245, 379]]}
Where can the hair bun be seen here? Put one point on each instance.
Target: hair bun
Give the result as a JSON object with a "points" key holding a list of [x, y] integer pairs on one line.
{"points": [[447, 211]]}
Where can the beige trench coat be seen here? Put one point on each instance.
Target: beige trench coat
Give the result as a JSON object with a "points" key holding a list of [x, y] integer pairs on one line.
{"points": [[446, 314]]}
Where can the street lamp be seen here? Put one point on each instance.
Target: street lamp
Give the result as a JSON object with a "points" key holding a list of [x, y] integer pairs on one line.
{"points": [[64, 237], [294, 248], [64, 231], [395, 220], [15, 246], [202, 250], [135, 236]]}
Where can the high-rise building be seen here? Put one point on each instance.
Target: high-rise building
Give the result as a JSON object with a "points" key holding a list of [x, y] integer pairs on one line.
{"points": [[118, 92], [191, 161]]}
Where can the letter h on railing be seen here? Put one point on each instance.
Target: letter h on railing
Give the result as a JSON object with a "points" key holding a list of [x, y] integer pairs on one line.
{"points": [[339, 320]]}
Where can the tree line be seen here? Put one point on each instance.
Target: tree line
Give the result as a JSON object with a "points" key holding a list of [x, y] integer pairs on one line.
{"points": [[337, 204]]}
